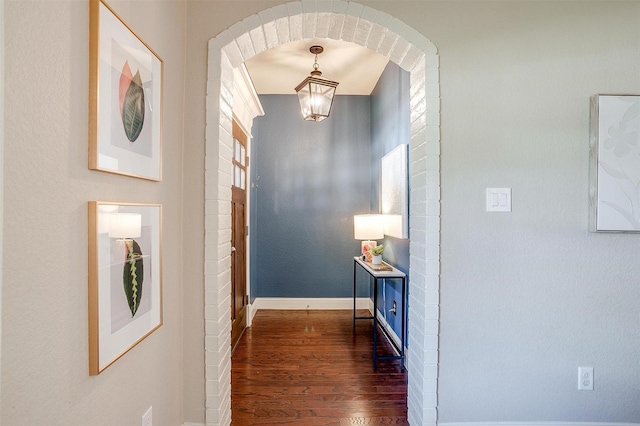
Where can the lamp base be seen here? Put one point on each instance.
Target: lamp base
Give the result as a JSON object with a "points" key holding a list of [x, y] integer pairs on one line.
{"points": [[365, 249]]}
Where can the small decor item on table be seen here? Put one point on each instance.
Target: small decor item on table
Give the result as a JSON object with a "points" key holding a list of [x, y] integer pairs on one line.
{"points": [[376, 254]]}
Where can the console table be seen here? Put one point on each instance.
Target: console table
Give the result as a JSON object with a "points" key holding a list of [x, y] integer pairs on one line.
{"points": [[381, 274]]}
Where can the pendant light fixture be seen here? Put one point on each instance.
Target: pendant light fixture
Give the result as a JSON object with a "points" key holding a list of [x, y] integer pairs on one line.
{"points": [[316, 93]]}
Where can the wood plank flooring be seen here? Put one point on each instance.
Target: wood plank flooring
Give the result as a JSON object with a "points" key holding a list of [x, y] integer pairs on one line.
{"points": [[309, 368]]}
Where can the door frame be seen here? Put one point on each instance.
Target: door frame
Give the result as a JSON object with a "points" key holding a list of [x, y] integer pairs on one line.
{"points": [[378, 31]]}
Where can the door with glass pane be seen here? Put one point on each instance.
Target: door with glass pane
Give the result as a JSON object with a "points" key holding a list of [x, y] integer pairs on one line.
{"points": [[238, 234]]}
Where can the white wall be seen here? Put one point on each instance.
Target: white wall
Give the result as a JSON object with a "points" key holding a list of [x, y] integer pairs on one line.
{"points": [[47, 186]]}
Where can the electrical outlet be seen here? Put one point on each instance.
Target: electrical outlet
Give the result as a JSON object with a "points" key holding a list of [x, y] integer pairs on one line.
{"points": [[585, 378], [395, 308], [147, 418]]}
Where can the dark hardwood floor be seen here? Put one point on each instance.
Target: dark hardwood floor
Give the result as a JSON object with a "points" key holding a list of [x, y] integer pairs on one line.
{"points": [[309, 368]]}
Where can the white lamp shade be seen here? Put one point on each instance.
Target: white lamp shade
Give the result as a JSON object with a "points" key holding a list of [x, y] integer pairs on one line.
{"points": [[125, 225], [368, 226]]}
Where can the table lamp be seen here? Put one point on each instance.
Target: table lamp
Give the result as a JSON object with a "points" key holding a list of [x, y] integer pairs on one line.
{"points": [[368, 227]]}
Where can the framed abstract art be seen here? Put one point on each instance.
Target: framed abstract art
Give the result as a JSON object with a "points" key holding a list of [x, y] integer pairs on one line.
{"points": [[125, 282], [615, 163], [125, 98]]}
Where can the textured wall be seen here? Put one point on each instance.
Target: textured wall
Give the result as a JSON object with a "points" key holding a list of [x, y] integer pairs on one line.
{"points": [[45, 378], [390, 126], [310, 179]]}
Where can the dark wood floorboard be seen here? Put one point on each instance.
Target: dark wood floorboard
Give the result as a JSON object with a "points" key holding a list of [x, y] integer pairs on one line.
{"points": [[309, 368]]}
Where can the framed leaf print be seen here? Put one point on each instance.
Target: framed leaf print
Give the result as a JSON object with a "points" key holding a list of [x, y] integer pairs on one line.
{"points": [[125, 98], [125, 283]]}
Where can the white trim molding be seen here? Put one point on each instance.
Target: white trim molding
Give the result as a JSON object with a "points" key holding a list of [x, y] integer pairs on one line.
{"points": [[303, 303], [350, 22]]}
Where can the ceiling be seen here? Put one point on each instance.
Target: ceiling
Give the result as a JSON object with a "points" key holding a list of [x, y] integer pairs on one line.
{"points": [[281, 69]]}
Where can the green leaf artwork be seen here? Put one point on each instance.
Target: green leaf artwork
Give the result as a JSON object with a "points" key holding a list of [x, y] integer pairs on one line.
{"points": [[131, 96], [133, 275]]}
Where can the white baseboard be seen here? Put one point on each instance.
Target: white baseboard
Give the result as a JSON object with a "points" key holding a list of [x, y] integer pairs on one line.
{"points": [[538, 424], [192, 424], [291, 303]]}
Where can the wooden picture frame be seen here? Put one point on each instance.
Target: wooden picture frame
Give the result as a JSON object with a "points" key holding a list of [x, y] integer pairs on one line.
{"points": [[615, 163], [125, 98], [125, 278]]}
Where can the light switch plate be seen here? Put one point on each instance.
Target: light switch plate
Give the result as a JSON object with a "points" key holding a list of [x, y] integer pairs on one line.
{"points": [[498, 199]]}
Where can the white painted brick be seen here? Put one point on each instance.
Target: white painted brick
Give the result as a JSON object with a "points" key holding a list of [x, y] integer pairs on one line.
{"points": [[224, 38], [432, 61], [271, 34], [418, 180], [323, 21], [418, 122], [354, 9], [386, 44], [383, 19], [369, 14], [294, 8], [418, 146], [258, 39], [223, 208], [246, 46], [399, 51], [429, 399], [295, 27], [432, 297], [324, 6], [433, 90], [309, 6], [433, 192], [376, 35], [433, 178], [433, 266], [432, 283], [433, 162], [233, 53], [362, 32], [211, 267], [413, 56], [210, 253], [238, 29], [433, 224], [432, 77], [335, 26], [433, 119], [280, 11], [339, 7], [251, 23], [309, 25], [433, 104], [224, 249], [433, 238], [349, 28], [282, 28], [417, 209]]}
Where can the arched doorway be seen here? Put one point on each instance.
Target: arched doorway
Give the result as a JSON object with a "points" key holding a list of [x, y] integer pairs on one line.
{"points": [[351, 22]]}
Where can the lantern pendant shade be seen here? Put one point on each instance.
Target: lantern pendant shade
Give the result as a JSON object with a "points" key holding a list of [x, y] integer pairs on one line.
{"points": [[316, 97], [316, 93]]}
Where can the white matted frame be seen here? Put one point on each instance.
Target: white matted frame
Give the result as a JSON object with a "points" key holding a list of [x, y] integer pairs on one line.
{"points": [[125, 280], [615, 163], [394, 192], [125, 98]]}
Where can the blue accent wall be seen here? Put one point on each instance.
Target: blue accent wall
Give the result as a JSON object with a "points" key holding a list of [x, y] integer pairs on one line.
{"points": [[307, 181], [390, 127]]}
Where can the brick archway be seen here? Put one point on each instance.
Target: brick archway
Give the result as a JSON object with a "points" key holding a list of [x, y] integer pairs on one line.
{"points": [[367, 27]]}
